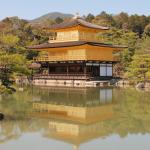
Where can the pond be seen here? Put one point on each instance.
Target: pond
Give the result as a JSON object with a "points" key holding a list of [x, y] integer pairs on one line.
{"points": [[75, 118]]}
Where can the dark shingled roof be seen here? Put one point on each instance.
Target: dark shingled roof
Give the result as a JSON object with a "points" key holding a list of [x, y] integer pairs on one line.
{"points": [[73, 43], [74, 22]]}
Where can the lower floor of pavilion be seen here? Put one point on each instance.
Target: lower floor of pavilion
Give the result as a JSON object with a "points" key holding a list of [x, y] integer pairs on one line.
{"points": [[75, 70]]}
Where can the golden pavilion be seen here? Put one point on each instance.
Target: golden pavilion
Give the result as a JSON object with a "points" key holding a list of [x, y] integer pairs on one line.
{"points": [[75, 55]]}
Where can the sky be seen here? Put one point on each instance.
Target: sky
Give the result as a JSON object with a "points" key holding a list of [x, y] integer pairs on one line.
{"points": [[31, 9]]}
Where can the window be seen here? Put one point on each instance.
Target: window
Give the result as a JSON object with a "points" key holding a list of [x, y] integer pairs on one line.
{"points": [[103, 71], [109, 71], [106, 70]]}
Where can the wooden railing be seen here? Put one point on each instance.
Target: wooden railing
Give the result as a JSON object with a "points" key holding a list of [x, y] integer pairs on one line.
{"points": [[66, 58], [63, 76], [59, 58]]}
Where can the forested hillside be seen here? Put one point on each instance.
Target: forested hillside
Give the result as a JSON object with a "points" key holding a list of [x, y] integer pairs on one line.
{"points": [[52, 16], [130, 30]]}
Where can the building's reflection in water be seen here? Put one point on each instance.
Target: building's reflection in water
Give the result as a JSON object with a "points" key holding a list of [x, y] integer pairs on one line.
{"points": [[105, 96], [74, 115], [78, 122]]}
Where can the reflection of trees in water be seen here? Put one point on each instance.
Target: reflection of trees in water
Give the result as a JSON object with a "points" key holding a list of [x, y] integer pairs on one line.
{"points": [[131, 112], [16, 106], [11, 129]]}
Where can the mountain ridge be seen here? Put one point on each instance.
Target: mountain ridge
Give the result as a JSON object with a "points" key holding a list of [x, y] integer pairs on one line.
{"points": [[52, 16]]}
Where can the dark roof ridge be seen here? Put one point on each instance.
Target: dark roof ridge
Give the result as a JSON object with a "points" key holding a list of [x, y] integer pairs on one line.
{"points": [[85, 23]]}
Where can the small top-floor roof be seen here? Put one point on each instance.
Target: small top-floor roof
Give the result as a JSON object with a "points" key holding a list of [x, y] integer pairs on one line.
{"points": [[76, 21]]}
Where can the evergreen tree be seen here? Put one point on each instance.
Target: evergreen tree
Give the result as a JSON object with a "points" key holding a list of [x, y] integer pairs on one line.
{"points": [[89, 17], [59, 20], [139, 69]]}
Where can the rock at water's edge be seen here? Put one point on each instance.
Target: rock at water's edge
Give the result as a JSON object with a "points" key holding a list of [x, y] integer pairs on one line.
{"points": [[1, 116], [140, 85]]}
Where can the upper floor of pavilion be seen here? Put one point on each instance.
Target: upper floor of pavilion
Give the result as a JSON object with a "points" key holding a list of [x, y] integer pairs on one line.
{"points": [[76, 29]]}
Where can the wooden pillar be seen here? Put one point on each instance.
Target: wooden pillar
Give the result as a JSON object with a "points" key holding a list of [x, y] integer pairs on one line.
{"points": [[48, 68], [40, 70], [112, 70], [99, 69], [67, 69], [85, 69]]}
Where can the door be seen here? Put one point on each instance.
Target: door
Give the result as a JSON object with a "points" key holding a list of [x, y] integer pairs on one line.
{"points": [[96, 71]]}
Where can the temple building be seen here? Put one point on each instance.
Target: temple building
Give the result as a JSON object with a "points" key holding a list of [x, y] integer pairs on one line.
{"points": [[75, 55]]}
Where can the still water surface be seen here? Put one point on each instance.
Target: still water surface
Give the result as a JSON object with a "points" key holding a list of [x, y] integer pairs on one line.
{"points": [[75, 118]]}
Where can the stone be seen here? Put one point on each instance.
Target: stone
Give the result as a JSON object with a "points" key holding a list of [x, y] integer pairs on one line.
{"points": [[1, 116], [140, 85], [123, 83]]}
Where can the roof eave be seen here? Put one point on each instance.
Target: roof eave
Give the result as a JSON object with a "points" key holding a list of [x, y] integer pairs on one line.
{"points": [[40, 47]]}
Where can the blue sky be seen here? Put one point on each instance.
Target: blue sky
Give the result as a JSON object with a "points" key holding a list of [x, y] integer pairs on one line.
{"points": [[30, 9]]}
